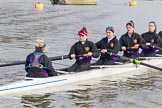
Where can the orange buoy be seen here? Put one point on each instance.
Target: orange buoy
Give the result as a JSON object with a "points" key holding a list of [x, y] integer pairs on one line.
{"points": [[132, 3], [39, 6]]}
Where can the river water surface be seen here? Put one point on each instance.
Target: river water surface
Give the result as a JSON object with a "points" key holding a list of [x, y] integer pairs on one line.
{"points": [[21, 24]]}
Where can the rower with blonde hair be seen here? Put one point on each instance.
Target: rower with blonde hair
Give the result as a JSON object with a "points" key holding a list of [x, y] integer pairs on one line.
{"points": [[37, 63]]}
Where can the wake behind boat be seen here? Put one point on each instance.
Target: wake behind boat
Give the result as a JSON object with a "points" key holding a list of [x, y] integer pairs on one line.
{"points": [[28, 84]]}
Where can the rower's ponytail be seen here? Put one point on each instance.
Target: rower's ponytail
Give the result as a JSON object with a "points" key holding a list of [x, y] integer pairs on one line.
{"points": [[84, 29], [155, 28]]}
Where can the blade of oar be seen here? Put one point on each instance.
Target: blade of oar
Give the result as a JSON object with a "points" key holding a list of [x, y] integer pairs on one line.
{"points": [[135, 61], [23, 62]]}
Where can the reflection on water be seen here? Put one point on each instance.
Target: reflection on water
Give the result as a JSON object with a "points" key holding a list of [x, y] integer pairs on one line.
{"points": [[23, 38], [97, 94], [146, 81], [36, 101], [5, 39]]}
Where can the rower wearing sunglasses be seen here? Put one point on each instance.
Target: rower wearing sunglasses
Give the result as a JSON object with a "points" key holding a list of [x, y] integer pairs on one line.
{"points": [[108, 44], [130, 42], [152, 40], [82, 51]]}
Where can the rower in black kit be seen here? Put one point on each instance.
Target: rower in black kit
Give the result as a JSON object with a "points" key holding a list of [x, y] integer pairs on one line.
{"points": [[108, 44], [152, 40], [131, 41], [82, 51]]}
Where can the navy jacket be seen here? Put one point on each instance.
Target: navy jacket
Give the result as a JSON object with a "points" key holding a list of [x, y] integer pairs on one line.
{"points": [[79, 49], [113, 46]]}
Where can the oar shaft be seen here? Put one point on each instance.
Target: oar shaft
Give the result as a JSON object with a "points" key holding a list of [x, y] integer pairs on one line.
{"points": [[59, 57], [13, 63], [151, 66], [144, 64], [148, 58], [23, 62]]}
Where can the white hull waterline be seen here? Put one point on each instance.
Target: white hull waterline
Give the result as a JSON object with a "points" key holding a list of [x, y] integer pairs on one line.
{"points": [[76, 2], [38, 83]]}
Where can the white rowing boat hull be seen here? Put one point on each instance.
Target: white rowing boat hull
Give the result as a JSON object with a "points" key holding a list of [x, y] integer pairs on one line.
{"points": [[37, 83]]}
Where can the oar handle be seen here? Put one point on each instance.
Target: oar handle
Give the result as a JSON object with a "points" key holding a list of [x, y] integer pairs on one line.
{"points": [[59, 57], [84, 55], [131, 48]]}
